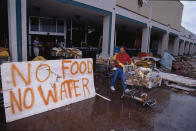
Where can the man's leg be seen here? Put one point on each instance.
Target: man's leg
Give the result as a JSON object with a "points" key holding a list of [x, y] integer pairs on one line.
{"points": [[122, 79], [114, 77]]}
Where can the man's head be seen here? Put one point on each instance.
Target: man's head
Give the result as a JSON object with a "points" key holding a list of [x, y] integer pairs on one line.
{"points": [[122, 49]]}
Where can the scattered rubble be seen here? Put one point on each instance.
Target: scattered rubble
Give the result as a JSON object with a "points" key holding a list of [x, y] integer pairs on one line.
{"points": [[182, 87], [178, 79], [186, 66], [177, 88]]}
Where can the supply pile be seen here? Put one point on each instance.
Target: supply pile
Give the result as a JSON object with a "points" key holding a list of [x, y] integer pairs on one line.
{"points": [[71, 53], [140, 76], [4, 53], [103, 59]]}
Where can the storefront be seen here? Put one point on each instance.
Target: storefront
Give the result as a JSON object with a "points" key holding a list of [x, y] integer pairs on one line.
{"points": [[64, 23], [129, 34], [92, 27], [84, 26]]}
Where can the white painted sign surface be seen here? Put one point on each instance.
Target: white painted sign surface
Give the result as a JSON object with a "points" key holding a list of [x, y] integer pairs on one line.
{"points": [[30, 88]]}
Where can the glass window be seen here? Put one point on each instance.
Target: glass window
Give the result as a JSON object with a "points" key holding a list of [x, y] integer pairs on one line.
{"points": [[47, 25], [53, 25], [44, 25], [60, 26], [34, 24]]}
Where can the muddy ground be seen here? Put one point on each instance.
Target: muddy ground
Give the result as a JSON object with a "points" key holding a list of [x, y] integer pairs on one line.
{"points": [[173, 112]]}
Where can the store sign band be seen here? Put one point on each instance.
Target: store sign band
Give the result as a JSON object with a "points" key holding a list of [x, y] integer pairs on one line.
{"points": [[30, 88]]}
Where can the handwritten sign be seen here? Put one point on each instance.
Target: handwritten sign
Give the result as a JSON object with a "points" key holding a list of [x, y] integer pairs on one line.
{"points": [[30, 88]]}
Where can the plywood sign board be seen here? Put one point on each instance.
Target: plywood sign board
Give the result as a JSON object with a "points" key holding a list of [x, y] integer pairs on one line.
{"points": [[30, 88]]}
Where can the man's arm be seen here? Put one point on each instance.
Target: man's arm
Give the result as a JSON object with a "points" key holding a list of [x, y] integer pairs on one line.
{"points": [[130, 60]]}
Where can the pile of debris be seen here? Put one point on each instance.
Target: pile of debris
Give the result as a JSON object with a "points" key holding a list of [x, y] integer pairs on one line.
{"points": [[177, 73], [188, 66], [146, 62]]}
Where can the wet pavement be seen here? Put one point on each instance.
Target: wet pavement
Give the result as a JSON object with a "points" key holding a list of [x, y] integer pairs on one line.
{"points": [[172, 112]]}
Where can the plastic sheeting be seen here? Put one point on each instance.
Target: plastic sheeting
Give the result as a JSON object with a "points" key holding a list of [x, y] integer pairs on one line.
{"points": [[166, 60]]}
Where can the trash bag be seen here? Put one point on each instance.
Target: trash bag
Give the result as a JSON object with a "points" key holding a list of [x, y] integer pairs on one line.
{"points": [[166, 60]]}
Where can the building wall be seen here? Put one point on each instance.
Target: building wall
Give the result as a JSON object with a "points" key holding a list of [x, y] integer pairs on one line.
{"points": [[186, 33], [133, 6], [167, 13], [108, 4], [164, 12]]}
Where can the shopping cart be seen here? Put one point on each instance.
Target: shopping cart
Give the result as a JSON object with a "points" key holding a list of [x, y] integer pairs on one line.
{"points": [[140, 85]]}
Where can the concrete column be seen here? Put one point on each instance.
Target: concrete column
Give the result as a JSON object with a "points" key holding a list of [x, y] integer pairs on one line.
{"points": [[115, 38], [65, 33], [182, 46], [17, 22], [191, 48], [186, 51], [30, 47], [189, 51], [145, 39], [108, 34], [24, 29], [176, 46], [185, 48], [105, 40], [12, 29], [165, 40], [112, 33], [194, 49]]}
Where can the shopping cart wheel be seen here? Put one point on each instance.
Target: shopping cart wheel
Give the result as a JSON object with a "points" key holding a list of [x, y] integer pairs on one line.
{"points": [[123, 96], [151, 102]]}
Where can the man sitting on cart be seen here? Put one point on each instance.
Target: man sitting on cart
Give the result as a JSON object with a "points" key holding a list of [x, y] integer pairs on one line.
{"points": [[120, 59]]}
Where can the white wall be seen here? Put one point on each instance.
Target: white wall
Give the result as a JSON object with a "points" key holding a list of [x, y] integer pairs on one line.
{"points": [[102, 4], [12, 29]]}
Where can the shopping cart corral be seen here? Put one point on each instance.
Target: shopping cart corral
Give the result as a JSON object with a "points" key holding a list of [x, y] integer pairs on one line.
{"points": [[141, 80]]}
